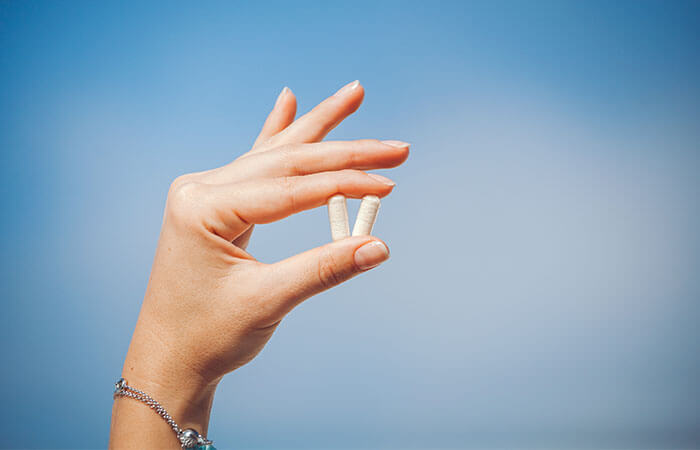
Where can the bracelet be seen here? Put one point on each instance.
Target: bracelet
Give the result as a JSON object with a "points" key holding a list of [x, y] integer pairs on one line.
{"points": [[189, 438]]}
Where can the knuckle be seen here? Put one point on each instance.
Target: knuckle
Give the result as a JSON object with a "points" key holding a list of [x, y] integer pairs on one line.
{"points": [[287, 191], [325, 113], [183, 199], [364, 143], [352, 156], [329, 272], [347, 174], [177, 182], [289, 160], [285, 183], [357, 151]]}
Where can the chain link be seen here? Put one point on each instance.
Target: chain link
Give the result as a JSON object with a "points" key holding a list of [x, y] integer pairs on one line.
{"points": [[122, 389]]}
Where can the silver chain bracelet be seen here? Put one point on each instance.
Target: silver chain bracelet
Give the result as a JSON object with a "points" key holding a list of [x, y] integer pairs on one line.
{"points": [[189, 438]]}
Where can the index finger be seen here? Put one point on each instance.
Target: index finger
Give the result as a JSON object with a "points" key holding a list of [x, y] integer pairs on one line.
{"points": [[229, 209]]}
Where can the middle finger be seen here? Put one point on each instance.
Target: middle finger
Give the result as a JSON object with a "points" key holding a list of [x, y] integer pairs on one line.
{"points": [[304, 159]]}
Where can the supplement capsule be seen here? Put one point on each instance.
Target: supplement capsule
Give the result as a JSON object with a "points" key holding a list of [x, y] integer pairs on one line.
{"points": [[338, 217], [366, 216]]}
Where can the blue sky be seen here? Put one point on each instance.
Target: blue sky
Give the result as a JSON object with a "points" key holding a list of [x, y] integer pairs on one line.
{"points": [[543, 287]]}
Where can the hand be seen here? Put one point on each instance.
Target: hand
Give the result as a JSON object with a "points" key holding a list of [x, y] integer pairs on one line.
{"points": [[210, 307]]}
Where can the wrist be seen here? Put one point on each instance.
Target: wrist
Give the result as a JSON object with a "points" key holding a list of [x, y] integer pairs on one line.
{"points": [[157, 367], [187, 437], [160, 367], [166, 376]]}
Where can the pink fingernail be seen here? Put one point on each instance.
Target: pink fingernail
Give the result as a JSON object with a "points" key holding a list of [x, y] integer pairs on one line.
{"points": [[382, 179], [371, 255], [282, 94], [399, 144], [347, 88]]}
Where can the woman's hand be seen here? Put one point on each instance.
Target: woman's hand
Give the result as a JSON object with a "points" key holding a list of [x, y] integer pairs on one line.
{"points": [[210, 307]]}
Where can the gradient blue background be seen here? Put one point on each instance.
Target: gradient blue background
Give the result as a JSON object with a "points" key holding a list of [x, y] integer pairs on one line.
{"points": [[544, 286]]}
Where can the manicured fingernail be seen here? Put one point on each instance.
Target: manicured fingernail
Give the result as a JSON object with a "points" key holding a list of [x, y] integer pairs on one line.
{"points": [[284, 92], [399, 144], [371, 255], [347, 88], [382, 179]]}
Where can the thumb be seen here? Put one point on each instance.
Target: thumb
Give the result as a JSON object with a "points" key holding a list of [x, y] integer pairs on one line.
{"points": [[316, 270]]}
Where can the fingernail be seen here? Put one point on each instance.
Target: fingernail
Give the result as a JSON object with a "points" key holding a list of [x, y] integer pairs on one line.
{"points": [[347, 88], [282, 94], [371, 255], [399, 144], [382, 179]]}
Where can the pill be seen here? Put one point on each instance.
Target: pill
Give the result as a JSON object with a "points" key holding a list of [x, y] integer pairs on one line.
{"points": [[338, 217], [366, 215]]}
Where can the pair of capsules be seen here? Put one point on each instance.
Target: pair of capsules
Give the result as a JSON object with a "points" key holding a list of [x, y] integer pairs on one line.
{"points": [[338, 216]]}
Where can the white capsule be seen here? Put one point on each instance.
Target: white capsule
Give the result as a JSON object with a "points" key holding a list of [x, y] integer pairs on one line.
{"points": [[366, 216], [338, 217]]}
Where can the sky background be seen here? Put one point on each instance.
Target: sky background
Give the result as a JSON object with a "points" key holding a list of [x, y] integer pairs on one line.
{"points": [[544, 285]]}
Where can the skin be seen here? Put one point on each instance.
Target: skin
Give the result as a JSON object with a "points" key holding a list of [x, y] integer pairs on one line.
{"points": [[210, 306]]}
